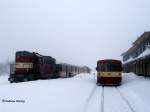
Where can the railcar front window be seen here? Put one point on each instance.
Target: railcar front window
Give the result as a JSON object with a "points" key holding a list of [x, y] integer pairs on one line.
{"points": [[109, 67]]}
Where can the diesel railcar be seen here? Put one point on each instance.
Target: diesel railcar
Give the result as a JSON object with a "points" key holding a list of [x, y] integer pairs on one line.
{"points": [[109, 72]]}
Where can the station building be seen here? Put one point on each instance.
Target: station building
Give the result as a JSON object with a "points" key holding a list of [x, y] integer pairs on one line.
{"points": [[137, 58]]}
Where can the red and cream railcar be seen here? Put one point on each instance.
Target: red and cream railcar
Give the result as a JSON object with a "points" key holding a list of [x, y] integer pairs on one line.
{"points": [[109, 72]]}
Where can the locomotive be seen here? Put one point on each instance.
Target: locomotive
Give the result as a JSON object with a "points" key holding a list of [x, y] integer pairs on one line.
{"points": [[32, 66]]}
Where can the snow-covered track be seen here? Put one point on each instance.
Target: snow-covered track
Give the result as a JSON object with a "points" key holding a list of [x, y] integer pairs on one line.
{"points": [[91, 94], [113, 102], [125, 100], [102, 100], [95, 100]]}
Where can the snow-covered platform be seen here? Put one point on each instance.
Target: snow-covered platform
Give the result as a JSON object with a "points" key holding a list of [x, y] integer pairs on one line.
{"points": [[77, 94]]}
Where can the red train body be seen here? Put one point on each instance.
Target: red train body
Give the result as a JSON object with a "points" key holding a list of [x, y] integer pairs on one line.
{"points": [[109, 72], [33, 66]]}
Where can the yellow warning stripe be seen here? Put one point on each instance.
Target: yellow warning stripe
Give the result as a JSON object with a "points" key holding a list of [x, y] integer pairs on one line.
{"points": [[109, 74], [24, 65]]}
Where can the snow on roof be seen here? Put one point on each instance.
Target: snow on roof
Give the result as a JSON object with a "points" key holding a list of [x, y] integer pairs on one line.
{"points": [[145, 53], [142, 55], [129, 60]]}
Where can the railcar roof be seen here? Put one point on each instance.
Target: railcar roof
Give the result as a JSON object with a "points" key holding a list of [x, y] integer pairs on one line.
{"points": [[108, 60]]}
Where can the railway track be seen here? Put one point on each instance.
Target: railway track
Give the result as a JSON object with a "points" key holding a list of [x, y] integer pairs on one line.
{"points": [[107, 99], [115, 101], [102, 100], [95, 101], [125, 100]]}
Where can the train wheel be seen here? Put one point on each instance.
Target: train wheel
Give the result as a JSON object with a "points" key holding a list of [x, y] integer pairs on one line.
{"points": [[11, 81]]}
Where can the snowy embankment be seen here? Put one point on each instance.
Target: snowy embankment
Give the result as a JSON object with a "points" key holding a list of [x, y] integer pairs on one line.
{"points": [[77, 94]]}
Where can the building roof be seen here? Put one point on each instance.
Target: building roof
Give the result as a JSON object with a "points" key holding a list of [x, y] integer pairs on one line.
{"points": [[130, 50], [144, 36], [143, 55]]}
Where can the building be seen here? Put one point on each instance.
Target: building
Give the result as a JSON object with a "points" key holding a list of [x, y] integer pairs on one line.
{"points": [[137, 58]]}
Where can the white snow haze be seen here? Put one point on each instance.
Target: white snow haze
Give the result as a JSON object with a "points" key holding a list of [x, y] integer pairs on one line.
{"points": [[73, 31]]}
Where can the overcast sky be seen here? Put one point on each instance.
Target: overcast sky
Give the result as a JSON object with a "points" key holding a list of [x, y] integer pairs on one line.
{"points": [[73, 31]]}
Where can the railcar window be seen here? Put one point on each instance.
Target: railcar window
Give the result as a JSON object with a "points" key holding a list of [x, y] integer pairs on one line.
{"points": [[116, 67], [109, 67]]}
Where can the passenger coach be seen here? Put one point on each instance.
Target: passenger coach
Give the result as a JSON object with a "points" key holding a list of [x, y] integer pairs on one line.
{"points": [[109, 72]]}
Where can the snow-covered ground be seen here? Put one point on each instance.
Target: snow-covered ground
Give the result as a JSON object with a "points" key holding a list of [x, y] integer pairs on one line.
{"points": [[4, 80], [77, 94], [136, 89]]}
